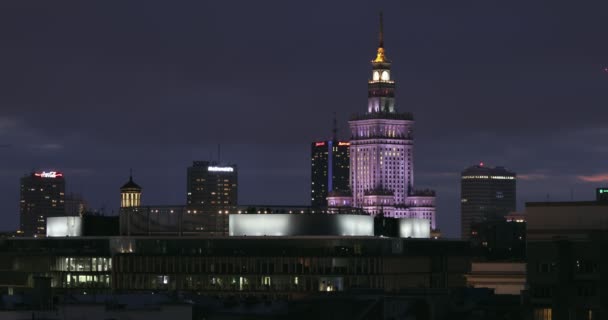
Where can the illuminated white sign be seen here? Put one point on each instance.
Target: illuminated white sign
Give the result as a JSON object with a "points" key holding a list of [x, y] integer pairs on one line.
{"points": [[220, 169], [50, 174], [325, 225], [490, 177], [300, 225], [64, 227], [414, 228]]}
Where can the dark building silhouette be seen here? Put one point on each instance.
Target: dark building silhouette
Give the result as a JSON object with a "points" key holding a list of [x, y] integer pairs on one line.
{"points": [[75, 205], [487, 194], [499, 240], [263, 266], [567, 265], [330, 164], [42, 196], [211, 185], [100, 225], [601, 194]]}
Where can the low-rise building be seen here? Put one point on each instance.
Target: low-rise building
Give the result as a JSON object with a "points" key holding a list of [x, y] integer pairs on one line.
{"points": [[229, 265], [503, 277]]}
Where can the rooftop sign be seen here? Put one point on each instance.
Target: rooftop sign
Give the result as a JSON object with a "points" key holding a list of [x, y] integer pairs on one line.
{"points": [[220, 169], [49, 174]]}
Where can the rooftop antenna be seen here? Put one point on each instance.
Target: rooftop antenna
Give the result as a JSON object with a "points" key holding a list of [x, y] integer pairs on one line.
{"points": [[218, 153], [381, 33], [571, 194], [335, 128]]}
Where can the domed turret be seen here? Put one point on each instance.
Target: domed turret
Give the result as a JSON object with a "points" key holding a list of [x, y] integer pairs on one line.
{"points": [[130, 194]]}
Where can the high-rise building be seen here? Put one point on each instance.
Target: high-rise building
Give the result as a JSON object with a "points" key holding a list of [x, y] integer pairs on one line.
{"points": [[487, 194], [130, 194], [212, 185], [42, 196], [329, 169], [381, 152]]}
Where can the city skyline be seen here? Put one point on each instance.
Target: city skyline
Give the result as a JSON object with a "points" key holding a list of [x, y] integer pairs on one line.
{"points": [[93, 102]]}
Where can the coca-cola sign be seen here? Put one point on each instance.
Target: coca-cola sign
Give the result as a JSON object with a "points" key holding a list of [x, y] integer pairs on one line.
{"points": [[49, 174]]}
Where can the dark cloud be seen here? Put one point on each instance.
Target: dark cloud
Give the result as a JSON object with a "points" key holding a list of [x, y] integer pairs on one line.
{"points": [[98, 87]]}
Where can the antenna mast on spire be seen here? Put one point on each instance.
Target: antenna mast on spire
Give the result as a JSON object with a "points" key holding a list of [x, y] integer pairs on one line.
{"points": [[219, 153], [380, 58], [381, 33]]}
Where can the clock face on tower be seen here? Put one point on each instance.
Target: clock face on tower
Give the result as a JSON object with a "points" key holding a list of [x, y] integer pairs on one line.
{"points": [[385, 76], [376, 76]]}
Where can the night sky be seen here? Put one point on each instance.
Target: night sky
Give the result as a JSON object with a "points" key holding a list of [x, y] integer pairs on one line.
{"points": [[93, 88]]}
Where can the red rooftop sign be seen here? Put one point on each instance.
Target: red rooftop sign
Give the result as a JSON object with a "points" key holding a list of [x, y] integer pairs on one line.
{"points": [[49, 174]]}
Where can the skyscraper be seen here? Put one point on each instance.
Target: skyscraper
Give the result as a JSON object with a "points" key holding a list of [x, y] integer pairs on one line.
{"points": [[487, 194], [329, 169], [381, 152], [211, 185], [42, 196]]}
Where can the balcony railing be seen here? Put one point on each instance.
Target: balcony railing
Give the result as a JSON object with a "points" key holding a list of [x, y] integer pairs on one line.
{"points": [[383, 115]]}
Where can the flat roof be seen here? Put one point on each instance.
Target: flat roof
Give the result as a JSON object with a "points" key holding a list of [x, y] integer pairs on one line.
{"points": [[567, 204]]}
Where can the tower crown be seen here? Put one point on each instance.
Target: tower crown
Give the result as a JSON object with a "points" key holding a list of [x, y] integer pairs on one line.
{"points": [[130, 194], [130, 185], [381, 88]]}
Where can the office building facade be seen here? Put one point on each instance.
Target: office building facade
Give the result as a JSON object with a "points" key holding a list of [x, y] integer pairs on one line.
{"points": [[235, 265], [381, 153], [212, 185], [173, 220], [487, 194], [42, 195], [330, 164]]}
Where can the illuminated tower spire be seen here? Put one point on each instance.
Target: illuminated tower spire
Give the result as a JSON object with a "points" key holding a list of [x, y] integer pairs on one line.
{"points": [[381, 89]]}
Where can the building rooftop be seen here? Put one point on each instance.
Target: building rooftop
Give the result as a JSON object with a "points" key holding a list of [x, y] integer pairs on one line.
{"points": [[130, 184], [566, 204], [482, 169]]}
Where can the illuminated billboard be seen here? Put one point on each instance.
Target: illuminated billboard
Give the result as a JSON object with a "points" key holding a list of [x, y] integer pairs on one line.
{"points": [[276, 225], [49, 174], [414, 228], [63, 226], [220, 169], [300, 225]]}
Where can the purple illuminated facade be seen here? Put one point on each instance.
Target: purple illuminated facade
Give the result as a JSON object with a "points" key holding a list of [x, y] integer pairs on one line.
{"points": [[381, 153]]}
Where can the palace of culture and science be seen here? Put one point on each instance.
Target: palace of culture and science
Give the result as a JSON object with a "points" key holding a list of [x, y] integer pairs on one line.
{"points": [[381, 154]]}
